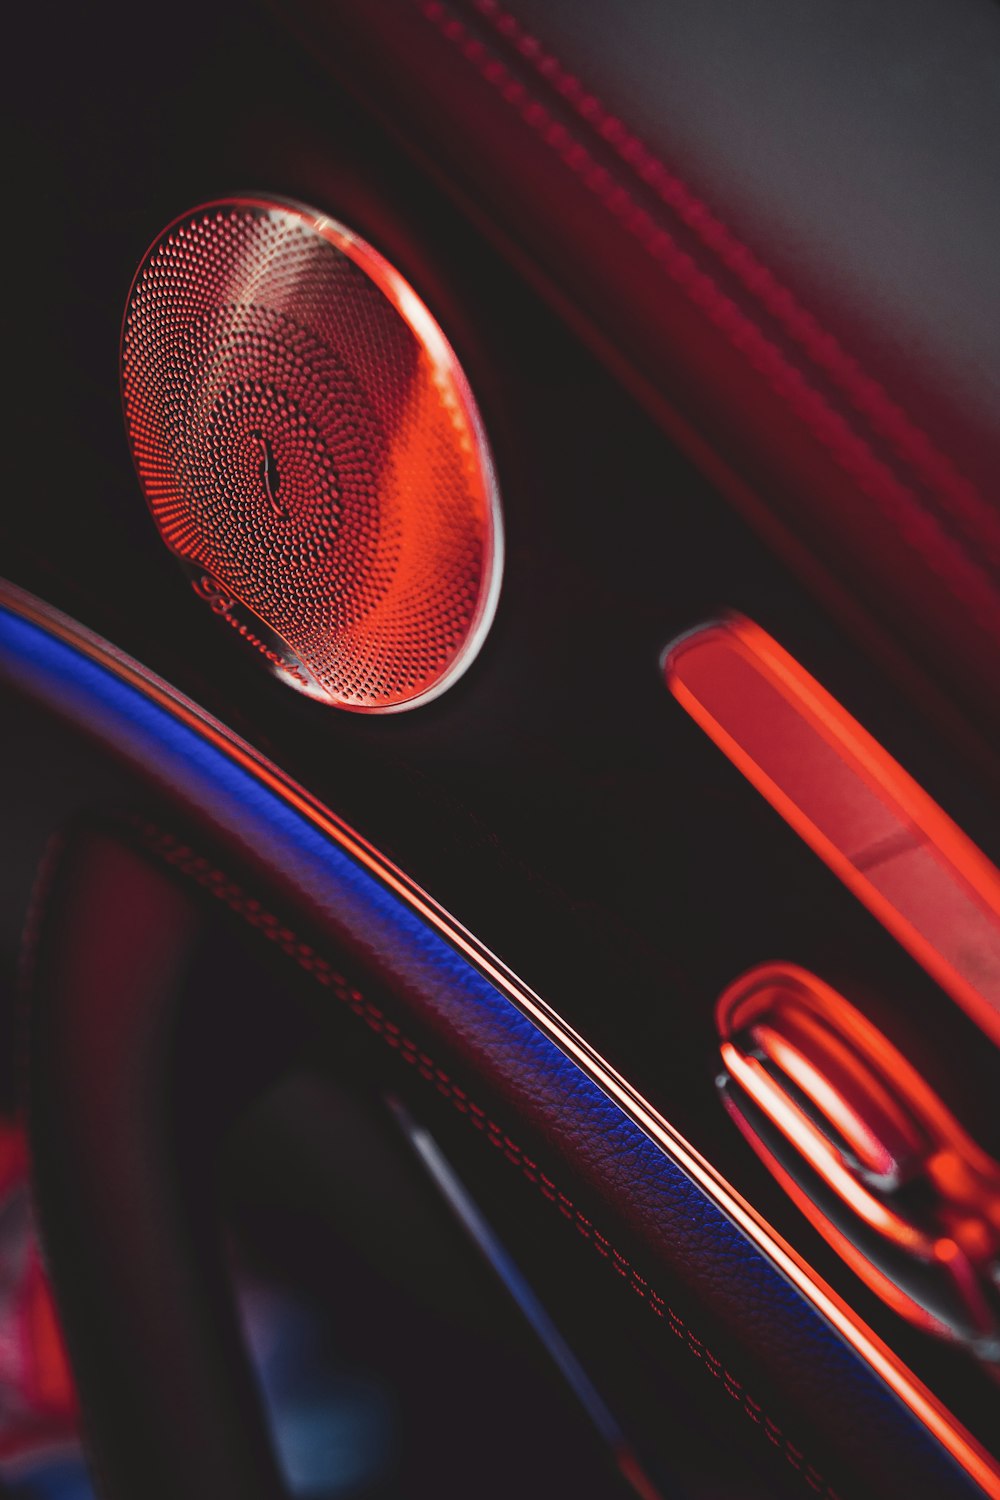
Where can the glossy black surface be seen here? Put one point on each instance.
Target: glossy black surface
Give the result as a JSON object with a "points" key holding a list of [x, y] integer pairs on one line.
{"points": [[556, 800]]}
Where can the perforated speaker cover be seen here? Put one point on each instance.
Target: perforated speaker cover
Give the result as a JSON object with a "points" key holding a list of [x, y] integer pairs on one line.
{"points": [[311, 452]]}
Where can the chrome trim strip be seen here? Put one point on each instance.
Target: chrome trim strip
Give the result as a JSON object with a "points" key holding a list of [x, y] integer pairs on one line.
{"points": [[923, 1405]]}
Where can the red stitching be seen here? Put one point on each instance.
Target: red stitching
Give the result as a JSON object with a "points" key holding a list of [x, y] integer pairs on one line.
{"points": [[907, 439], [917, 526], [186, 860]]}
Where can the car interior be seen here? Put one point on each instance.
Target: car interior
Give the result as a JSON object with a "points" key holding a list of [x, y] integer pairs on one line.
{"points": [[499, 640]]}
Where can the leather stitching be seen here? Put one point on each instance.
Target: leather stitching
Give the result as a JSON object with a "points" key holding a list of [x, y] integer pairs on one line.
{"points": [[209, 877], [909, 441], [958, 569]]}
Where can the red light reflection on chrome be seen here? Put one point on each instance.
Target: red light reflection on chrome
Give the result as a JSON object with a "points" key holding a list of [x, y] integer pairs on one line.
{"points": [[924, 1405], [883, 1286], [807, 1069], [865, 1143], [813, 1146], [872, 824]]}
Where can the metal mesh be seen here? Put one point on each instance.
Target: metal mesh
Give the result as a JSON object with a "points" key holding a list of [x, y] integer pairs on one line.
{"points": [[303, 432]]}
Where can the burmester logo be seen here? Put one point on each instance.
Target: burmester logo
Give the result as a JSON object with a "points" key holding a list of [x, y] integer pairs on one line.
{"points": [[221, 602], [213, 594]]}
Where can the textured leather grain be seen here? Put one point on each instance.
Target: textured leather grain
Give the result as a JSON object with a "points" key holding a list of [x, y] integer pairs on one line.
{"points": [[781, 1339], [780, 223]]}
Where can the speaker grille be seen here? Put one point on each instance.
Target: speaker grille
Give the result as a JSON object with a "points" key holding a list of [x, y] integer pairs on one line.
{"points": [[310, 450]]}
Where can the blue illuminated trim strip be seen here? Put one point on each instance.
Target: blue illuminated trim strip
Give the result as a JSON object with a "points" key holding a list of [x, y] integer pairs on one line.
{"points": [[279, 827]]}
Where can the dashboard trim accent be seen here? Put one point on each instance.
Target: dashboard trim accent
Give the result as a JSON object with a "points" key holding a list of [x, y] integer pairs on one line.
{"points": [[22, 609]]}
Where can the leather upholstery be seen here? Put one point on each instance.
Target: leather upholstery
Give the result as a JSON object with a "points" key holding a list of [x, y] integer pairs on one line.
{"points": [[783, 1343], [780, 223], [120, 1141]]}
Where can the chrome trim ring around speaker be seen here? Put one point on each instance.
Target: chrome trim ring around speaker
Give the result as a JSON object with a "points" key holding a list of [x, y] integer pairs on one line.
{"points": [[311, 452]]}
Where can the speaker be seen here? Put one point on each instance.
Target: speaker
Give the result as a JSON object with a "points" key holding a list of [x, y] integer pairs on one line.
{"points": [[311, 452]]}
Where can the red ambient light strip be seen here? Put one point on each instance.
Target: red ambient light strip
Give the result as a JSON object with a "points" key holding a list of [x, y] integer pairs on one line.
{"points": [[851, 802], [981, 1466]]}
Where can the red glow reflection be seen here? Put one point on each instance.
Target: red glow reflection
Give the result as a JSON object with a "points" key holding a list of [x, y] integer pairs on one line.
{"points": [[924, 1405], [851, 802], [863, 1120]]}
